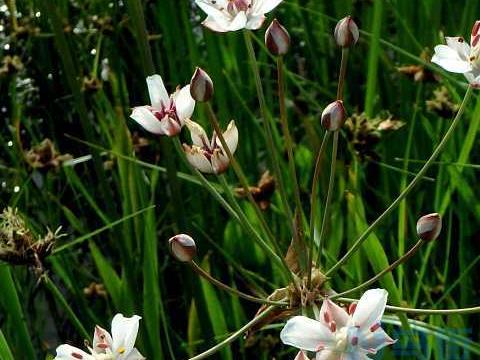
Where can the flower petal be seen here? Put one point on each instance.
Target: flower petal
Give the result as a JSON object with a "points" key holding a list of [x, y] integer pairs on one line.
{"points": [[124, 333], [197, 159], [156, 90], [184, 103], [301, 356], [214, 25], [328, 355], [449, 59], [372, 341], [101, 340], [265, 6], [217, 20], [332, 312], [238, 22], [370, 308], [306, 334], [255, 22], [460, 46], [219, 162], [197, 133], [68, 352], [135, 355], [231, 137], [147, 120]]}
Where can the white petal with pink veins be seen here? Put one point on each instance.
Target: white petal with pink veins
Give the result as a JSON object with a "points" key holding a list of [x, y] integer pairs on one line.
{"points": [[328, 355], [213, 25], [301, 356], [373, 341], [219, 162], [124, 333], [156, 90], [450, 60], [197, 159], [147, 120], [306, 334], [184, 103], [255, 22], [370, 308], [68, 352], [135, 355], [239, 22], [197, 133], [101, 340], [331, 311]]}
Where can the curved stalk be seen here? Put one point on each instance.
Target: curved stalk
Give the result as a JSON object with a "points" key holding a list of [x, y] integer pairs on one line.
{"points": [[231, 290], [394, 265], [410, 186]]}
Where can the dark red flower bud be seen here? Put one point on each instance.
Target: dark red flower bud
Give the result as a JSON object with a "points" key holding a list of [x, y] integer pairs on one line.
{"points": [[333, 117], [429, 226], [183, 247], [201, 86], [277, 39], [346, 32]]}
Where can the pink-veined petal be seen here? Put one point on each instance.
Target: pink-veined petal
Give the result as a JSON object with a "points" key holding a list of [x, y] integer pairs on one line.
{"points": [[231, 137], [156, 90], [197, 159], [370, 308], [184, 103], [255, 22], [101, 340], [306, 334], [239, 22], [219, 162], [147, 120], [372, 341], [124, 333], [358, 355], [213, 25], [217, 20], [332, 312], [301, 356], [68, 352], [197, 133], [449, 59], [170, 126], [460, 46]]}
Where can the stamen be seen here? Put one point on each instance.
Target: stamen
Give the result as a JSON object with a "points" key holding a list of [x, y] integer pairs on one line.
{"points": [[333, 326], [374, 327], [121, 350], [355, 341], [352, 308], [76, 355]]}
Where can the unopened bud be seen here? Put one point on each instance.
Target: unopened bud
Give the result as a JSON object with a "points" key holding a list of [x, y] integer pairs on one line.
{"points": [[277, 39], [183, 247], [346, 32], [475, 34], [201, 86], [333, 117], [429, 226]]}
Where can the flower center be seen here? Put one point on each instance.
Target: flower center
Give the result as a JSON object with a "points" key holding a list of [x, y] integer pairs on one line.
{"points": [[235, 6], [166, 111]]}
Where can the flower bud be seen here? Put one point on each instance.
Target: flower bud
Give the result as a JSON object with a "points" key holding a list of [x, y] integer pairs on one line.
{"points": [[346, 32], [333, 116], [277, 39], [474, 39], [429, 226], [201, 86], [183, 247]]}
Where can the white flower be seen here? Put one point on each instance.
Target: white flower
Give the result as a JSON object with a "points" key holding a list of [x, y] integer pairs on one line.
{"points": [[459, 57], [167, 114], [118, 346], [208, 156], [233, 15], [338, 334]]}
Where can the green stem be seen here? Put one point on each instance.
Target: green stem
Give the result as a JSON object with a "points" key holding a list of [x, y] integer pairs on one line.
{"points": [[49, 284], [410, 186], [268, 128], [231, 290], [235, 335], [470, 310], [286, 132], [313, 201], [393, 266]]}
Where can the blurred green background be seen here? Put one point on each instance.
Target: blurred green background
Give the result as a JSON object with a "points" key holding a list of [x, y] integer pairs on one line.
{"points": [[70, 71]]}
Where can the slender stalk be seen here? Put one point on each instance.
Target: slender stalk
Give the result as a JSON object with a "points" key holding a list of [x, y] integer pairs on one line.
{"points": [[410, 186], [231, 290], [50, 285], [328, 200], [239, 172], [469, 310], [393, 266], [286, 132], [235, 335], [268, 128], [333, 165], [313, 201]]}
